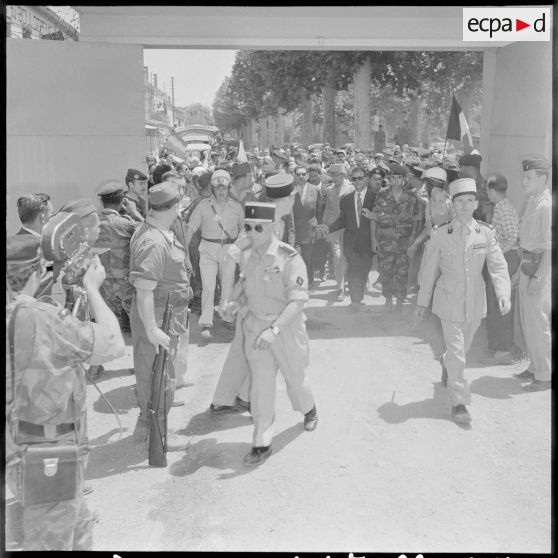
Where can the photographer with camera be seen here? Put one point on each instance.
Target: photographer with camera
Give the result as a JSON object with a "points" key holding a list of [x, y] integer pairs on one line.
{"points": [[46, 430]]}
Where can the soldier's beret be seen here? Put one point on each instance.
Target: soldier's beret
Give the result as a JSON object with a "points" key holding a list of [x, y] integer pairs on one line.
{"points": [[220, 176], [336, 168], [22, 249], [163, 193], [279, 185], [398, 170], [134, 174], [259, 212], [280, 154], [81, 207], [536, 163], [462, 186], [240, 169], [470, 160], [110, 187]]}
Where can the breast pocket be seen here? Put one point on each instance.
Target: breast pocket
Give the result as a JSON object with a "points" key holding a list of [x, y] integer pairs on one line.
{"points": [[274, 287]]}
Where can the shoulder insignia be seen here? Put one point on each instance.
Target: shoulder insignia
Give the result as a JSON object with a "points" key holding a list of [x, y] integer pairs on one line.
{"points": [[485, 224], [290, 250]]}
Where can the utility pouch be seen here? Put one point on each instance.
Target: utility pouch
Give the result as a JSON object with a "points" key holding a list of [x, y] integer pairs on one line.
{"points": [[49, 473]]}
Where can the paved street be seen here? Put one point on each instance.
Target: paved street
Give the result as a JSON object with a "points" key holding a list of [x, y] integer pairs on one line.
{"points": [[386, 470]]}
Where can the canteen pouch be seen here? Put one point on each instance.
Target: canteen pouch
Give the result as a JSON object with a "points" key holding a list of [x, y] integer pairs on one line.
{"points": [[530, 262], [49, 473]]}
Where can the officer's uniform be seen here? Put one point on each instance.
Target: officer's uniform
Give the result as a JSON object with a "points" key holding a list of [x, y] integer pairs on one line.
{"points": [[532, 319], [50, 347], [115, 233], [234, 379], [157, 263], [220, 227], [271, 281], [452, 269], [395, 223], [141, 204]]}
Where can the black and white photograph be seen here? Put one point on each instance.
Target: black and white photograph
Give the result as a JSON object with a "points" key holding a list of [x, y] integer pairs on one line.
{"points": [[279, 279]]}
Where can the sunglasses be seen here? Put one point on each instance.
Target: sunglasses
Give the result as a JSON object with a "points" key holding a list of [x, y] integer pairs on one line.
{"points": [[301, 174], [257, 228], [357, 177]]}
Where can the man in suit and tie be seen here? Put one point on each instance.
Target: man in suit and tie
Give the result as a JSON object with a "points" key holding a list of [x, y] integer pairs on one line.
{"points": [[34, 211], [307, 211], [354, 212]]}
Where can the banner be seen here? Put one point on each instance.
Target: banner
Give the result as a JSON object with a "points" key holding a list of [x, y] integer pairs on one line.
{"points": [[458, 129]]}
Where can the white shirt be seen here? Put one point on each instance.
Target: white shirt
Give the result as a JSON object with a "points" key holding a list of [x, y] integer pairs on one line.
{"points": [[361, 194], [302, 191]]}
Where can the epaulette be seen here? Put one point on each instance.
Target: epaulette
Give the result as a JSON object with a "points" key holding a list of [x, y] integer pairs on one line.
{"points": [[290, 250], [485, 224]]}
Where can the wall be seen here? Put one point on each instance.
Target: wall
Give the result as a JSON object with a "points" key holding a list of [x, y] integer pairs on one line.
{"points": [[75, 118], [517, 110]]}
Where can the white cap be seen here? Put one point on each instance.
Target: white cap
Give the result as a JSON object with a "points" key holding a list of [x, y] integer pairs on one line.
{"points": [[436, 173], [462, 186]]}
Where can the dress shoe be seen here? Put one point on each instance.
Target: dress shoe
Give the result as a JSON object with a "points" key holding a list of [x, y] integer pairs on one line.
{"points": [[87, 489], [339, 295], [525, 375], [176, 442], [311, 419], [388, 304], [257, 455], [205, 333], [355, 306], [538, 385], [444, 379], [242, 405], [219, 409], [460, 414]]}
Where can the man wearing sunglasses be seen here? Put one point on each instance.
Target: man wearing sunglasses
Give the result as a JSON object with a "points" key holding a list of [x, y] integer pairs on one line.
{"points": [[354, 212], [220, 219], [274, 289]]}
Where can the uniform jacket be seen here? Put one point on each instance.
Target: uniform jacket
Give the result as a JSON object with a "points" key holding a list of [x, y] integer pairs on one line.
{"points": [[356, 238], [452, 269], [115, 233], [307, 215]]}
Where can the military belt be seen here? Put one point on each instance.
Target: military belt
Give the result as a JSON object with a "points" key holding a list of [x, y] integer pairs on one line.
{"points": [[48, 431], [220, 241]]}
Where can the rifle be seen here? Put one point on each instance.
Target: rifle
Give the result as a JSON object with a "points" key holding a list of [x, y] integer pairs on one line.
{"points": [[157, 443]]}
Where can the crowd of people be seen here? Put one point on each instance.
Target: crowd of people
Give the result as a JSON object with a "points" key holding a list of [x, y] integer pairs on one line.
{"points": [[253, 239]]}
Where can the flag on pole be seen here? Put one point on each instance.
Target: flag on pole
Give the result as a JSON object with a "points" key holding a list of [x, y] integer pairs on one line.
{"points": [[241, 155], [458, 129]]}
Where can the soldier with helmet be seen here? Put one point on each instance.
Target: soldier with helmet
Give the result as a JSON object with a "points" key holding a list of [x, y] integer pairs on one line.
{"points": [[452, 275]]}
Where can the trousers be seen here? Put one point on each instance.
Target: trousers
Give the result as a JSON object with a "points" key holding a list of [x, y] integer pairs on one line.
{"points": [[212, 256], [458, 337], [235, 378], [336, 244], [358, 268], [532, 327], [307, 253], [394, 268], [289, 354]]}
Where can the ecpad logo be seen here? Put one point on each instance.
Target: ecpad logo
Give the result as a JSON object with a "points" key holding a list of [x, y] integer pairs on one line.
{"points": [[507, 24]]}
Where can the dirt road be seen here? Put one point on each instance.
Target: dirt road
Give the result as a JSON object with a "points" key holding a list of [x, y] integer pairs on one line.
{"points": [[386, 470]]}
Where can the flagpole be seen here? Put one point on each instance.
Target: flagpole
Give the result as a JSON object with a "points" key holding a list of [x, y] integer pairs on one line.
{"points": [[447, 131]]}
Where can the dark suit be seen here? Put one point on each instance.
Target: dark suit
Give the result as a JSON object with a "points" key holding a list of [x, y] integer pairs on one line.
{"points": [[357, 245], [306, 217]]}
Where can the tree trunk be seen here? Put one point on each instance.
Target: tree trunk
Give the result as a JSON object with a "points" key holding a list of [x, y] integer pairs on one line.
{"points": [[281, 126], [361, 92], [251, 133], [306, 102], [329, 93], [263, 132], [271, 129]]}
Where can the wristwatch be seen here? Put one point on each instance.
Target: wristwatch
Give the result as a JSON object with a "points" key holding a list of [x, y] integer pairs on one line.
{"points": [[276, 331]]}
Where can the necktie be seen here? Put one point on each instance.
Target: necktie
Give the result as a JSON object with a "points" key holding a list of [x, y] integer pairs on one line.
{"points": [[359, 208]]}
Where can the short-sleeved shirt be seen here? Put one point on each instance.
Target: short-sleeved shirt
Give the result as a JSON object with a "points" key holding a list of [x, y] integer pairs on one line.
{"points": [[273, 279], [506, 225], [535, 224], [208, 216], [157, 263], [116, 232]]}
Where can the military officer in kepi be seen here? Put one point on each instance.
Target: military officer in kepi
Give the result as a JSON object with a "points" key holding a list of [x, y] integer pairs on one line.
{"points": [[452, 270], [275, 288]]}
